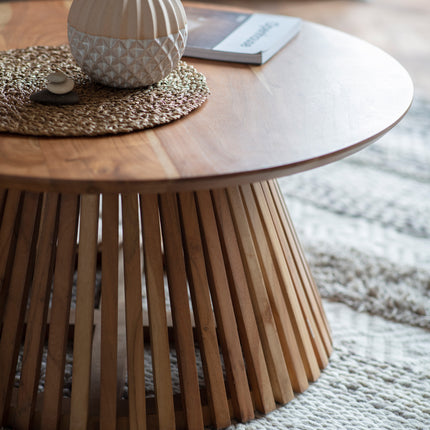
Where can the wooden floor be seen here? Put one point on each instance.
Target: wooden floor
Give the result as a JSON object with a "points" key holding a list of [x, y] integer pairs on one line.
{"points": [[400, 27]]}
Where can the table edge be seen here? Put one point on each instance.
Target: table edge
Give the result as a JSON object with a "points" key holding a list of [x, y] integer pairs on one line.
{"points": [[186, 184]]}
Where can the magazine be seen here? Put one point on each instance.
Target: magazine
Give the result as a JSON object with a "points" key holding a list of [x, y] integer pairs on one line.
{"points": [[243, 37]]}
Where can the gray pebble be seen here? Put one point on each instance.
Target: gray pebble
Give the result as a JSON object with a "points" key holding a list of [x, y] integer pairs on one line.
{"points": [[46, 97], [61, 88], [57, 77]]}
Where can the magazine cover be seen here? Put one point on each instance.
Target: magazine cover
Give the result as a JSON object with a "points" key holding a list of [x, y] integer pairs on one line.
{"points": [[236, 36]]}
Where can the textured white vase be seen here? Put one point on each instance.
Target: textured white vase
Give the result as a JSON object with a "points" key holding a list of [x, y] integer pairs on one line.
{"points": [[127, 43]]}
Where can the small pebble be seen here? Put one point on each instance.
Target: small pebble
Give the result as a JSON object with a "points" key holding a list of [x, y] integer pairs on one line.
{"points": [[61, 88], [57, 77], [47, 97]]}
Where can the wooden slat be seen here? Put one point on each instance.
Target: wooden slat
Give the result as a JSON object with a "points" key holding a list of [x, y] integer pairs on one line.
{"points": [[95, 365], [280, 239], [36, 320], [301, 329], [253, 351], [154, 276], [109, 313], [134, 321], [203, 312], [87, 263], [280, 310], [300, 256], [3, 194], [60, 311], [7, 245], [122, 331], [13, 321], [279, 377], [223, 306], [181, 315], [303, 268]]}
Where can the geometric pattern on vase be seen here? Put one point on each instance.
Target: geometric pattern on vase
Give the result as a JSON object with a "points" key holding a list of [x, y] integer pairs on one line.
{"points": [[126, 63]]}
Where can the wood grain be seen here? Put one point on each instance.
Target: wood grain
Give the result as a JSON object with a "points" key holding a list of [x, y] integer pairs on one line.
{"points": [[181, 313], [283, 318], [306, 277], [324, 96], [133, 309], [60, 311], [8, 242], [203, 312], [279, 377], [36, 320], [223, 307], [294, 309], [289, 262], [82, 346], [252, 346], [109, 315], [154, 275], [14, 314], [3, 194]]}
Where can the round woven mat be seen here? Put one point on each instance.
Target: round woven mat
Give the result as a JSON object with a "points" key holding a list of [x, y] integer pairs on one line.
{"points": [[101, 110]]}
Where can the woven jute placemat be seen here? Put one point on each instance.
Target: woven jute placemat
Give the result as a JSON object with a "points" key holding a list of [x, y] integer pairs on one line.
{"points": [[101, 110]]}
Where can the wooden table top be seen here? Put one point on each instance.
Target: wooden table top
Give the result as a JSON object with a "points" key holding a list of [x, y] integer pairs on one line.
{"points": [[323, 97]]}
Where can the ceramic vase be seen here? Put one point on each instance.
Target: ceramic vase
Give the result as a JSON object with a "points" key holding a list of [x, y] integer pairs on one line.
{"points": [[127, 43]]}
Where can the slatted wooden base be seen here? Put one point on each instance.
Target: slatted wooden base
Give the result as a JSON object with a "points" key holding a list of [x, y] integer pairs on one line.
{"points": [[244, 308]]}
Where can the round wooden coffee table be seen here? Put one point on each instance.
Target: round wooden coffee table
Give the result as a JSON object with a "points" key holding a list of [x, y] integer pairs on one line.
{"points": [[202, 214]]}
